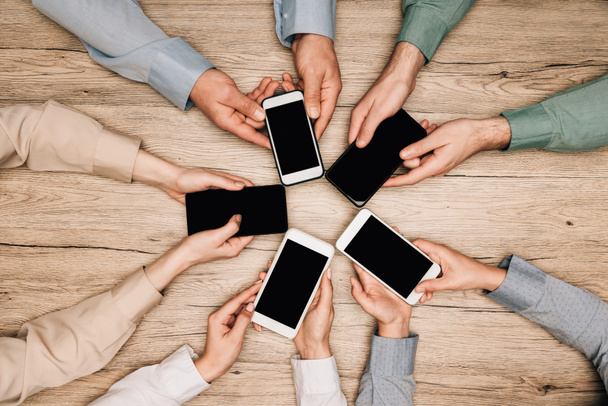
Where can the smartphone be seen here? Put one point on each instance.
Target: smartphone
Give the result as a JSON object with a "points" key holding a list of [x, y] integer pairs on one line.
{"points": [[359, 172], [264, 209], [292, 138], [291, 282], [386, 255]]}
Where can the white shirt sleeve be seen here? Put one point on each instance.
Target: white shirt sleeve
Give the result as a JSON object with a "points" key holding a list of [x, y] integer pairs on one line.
{"points": [[172, 382], [317, 382]]}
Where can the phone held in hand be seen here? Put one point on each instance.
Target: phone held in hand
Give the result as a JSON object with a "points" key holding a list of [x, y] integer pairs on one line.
{"points": [[359, 172], [291, 282], [292, 138], [386, 255], [263, 209]]}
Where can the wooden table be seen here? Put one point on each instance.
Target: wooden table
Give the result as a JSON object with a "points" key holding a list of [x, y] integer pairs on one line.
{"points": [[65, 237]]}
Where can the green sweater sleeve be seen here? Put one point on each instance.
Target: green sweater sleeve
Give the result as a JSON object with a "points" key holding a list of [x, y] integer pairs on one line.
{"points": [[573, 120], [427, 22]]}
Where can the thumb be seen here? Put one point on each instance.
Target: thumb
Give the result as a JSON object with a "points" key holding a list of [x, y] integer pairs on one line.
{"points": [[425, 145], [223, 182], [247, 106], [357, 290], [432, 285], [312, 96], [242, 321], [230, 229], [327, 290]]}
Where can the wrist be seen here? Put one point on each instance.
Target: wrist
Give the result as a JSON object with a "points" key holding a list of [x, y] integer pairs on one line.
{"points": [[498, 133], [396, 329], [154, 171], [493, 278], [317, 351], [206, 369], [406, 61]]}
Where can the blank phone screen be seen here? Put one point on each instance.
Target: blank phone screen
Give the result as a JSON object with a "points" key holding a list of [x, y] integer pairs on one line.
{"points": [[294, 143], [360, 172], [264, 209], [291, 283], [388, 256]]}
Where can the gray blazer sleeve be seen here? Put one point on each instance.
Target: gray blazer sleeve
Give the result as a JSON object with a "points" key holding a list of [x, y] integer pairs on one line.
{"points": [[388, 377], [574, 316]]}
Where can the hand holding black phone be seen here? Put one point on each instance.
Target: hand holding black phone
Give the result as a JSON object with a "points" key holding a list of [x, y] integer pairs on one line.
{"points": [[264, 210], [359, 172]]}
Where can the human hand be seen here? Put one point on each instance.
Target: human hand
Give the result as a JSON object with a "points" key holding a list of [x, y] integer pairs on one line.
{"points": [[392, 313], [225, 334], [312, 341], [388, 93], [216, 95], [318, 71], [458, 272], [266, 88], [449, 145]]}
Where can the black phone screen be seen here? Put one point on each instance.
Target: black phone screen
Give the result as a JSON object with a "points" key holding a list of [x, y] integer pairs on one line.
{"points": [[264, 209], [387, 256], [360, 172], [291, 283], [295, 146]]}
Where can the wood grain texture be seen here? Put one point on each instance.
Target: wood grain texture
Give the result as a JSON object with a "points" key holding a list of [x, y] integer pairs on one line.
{"points": [[65, 237]]}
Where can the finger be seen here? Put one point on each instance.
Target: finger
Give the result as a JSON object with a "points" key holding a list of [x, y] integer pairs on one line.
{"points": [[246, 106], [248, 133], [233, 246], [257, 327], [357, 291], [427, 169], [269, 91], [396, 228], [424, 146], [368, 127], [224, 233], [262, 275], [268, 264], [357, 116], [431, 129], [231, 306], [287, 83], [242, 321], [327, 291], [412, 163], [424, 124], [222, 181], [236, 178], [312, 95], [328, 107], [258, 125]]}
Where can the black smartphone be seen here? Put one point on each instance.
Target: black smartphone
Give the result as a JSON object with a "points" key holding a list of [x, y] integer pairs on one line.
{"points": [[359, 172], [264, 209]]}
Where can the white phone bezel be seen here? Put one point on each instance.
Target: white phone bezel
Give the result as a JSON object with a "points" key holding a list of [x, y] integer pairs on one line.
{"points": [[307, 241], [355, 226], [306, 174]]}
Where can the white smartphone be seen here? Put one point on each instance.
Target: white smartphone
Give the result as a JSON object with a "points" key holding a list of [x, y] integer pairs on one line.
{"points": [[291, 282], [292, 138], [386, 255]]}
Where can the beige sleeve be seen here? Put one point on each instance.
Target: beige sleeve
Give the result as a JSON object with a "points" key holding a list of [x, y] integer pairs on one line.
{"points": [[68, 344], [53, 137]]}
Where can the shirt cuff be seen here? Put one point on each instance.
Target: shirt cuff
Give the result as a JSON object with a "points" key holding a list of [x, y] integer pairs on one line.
{"points": [[135, 296], [115, 156], [304, 17], [175, 70], [393, 356], [523, 286], [531, 127], [180, 376], [423, 28], [315, 376]]}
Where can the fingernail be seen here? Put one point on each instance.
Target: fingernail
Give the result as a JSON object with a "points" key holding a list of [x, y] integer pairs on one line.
{"points": [[258, 281], [314, 112], [329, 274], [238, 218], [259, 115], [250, 307], [239, 184], [419, 290], [405, 154], [360, 143]]}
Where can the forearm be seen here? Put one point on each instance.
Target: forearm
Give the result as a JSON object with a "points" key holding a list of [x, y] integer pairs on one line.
{"points": [[573, 120], [61, 346], [154, 171], [304, 17], [119, 36], [53, 137], [389, 372], [574, 316], [428, 22]]}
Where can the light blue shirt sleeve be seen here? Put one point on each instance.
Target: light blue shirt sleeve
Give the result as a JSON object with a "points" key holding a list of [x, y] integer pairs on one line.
{"points": [[118, 35], [388, 378], [304, 17], [574, 316]]}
